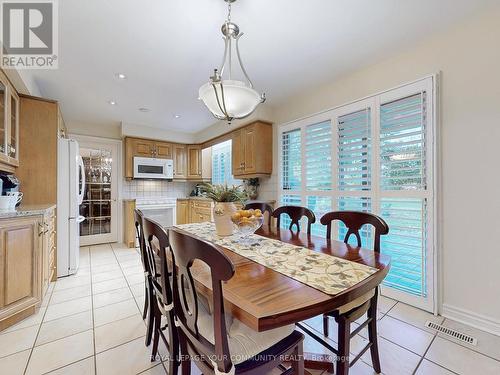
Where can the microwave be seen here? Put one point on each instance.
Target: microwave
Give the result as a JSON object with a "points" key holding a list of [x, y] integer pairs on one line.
{"points": [[151, 168]]}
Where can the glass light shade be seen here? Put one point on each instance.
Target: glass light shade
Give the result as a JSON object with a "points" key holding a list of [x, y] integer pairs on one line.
{"points": [[240, 99]]}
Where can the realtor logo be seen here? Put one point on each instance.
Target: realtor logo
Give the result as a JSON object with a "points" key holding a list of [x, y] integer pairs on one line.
{"points": [[29, 34]]}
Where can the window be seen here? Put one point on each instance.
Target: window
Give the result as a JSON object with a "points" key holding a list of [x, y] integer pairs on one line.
{"points": [[221, 164], [374, 155]]}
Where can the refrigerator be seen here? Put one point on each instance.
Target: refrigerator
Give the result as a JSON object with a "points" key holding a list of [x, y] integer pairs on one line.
{"points": [[70, 192]]}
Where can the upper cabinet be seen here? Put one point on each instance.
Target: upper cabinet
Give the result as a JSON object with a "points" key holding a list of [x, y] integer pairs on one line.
{"points": [[9, 125], [194, 170], [180, 161], [252, 150]]}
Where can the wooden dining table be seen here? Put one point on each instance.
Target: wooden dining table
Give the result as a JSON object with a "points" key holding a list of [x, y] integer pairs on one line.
{"points": [[264, 299]]}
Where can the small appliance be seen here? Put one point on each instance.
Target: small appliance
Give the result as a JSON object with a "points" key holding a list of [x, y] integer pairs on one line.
{"points": [[152, 168], [9, 184], [70, 191]]}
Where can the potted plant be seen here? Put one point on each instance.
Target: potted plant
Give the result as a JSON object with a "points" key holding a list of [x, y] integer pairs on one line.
{"points": [[224, 197], [251, 187]]}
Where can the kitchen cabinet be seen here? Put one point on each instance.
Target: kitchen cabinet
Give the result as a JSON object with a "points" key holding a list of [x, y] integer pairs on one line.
{"points": [[24, 272], [252, 150], [163, 150], [180, 161], [9, 125], [200, 210], [182, 211], [194, 162], [129, 220], [46, 232]]}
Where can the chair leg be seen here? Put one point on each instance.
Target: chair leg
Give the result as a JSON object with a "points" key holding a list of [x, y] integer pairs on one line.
{"points": [[156, 331], [185, 358], [146, 301], [372, 334], [173, 346], [298, 360], [150, 315], [325, 325], [344, 337]]}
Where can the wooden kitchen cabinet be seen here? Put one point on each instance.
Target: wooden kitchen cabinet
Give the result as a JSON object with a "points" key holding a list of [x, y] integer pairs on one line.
{"points": [[182, 211], [163, 150], [9, 125], [252, 150], [180, 161], [21, 268], [194, 162]]}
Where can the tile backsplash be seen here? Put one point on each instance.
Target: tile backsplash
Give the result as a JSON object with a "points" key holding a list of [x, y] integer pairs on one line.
{"points": [[156, 188]]}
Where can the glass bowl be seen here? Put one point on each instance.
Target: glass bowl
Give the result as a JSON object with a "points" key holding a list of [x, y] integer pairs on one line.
{"points": [[247, 225]]}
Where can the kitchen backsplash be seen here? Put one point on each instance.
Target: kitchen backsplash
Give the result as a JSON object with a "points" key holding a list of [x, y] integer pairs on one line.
{"points": [[156, 188]]}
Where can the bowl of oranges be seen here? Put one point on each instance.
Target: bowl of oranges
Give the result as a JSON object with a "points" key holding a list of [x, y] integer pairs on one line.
{"points": [[247, 222]]}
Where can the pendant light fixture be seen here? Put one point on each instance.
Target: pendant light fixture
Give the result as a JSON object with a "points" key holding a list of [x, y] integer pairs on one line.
{"points": [[229, 98]]}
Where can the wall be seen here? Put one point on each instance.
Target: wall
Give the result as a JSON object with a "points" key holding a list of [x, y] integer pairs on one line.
{"points": [[469, 59], [151, 189], [112, 131], [135, 130]]}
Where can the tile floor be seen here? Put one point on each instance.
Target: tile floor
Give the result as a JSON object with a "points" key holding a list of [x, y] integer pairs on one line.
{"points": [[90, 323]]}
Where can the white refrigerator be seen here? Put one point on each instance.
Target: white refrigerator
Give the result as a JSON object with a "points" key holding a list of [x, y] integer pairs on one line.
{"points": [[70, 192]]}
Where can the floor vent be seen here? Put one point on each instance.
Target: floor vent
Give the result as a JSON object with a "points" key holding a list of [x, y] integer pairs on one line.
{"points": [[452, 333]]}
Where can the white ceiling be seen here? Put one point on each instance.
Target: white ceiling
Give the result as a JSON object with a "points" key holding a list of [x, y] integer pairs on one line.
{"points": [[168, 48]]}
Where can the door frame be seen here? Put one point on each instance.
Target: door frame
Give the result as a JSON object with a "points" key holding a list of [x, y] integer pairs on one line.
{"points": [[115, 145]]}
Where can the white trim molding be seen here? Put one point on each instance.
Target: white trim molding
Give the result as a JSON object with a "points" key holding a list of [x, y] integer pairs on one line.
{"points": [[472, 319]]}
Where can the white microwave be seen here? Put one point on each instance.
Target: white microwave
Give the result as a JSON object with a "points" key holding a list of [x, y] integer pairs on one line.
{"points": [[152, 168]]}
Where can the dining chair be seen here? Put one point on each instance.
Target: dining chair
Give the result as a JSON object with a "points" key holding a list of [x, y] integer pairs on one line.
{"points": [[218, 342], [148, 295], [263, 207], [157, 245], [295, 213], [367, 303]]}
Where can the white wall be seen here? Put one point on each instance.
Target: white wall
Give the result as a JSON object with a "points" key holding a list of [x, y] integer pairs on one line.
{"points": [[469, 58], [135, 130]]}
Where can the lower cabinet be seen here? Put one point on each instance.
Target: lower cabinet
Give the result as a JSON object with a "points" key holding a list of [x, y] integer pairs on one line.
{"points": [[194, 211], [182, 211]]}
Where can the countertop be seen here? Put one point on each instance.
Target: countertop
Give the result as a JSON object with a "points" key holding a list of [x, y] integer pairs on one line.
{"points": [[27, 210]]}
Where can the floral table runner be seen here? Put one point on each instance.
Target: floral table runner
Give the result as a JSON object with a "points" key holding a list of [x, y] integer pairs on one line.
{"points": [[324, 272]]}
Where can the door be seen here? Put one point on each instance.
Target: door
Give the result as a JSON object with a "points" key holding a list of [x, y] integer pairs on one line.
{"points": [[249, 149], [180, 162], [163, 150], [143, 148], [13, 141], [238, 153], [99, 204], [3, 117], [194, 162]]}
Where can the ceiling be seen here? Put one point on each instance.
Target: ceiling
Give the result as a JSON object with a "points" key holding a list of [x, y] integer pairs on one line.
{"points": [[168, 48]]}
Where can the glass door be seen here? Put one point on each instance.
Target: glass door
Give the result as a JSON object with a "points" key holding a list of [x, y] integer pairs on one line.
{"points": [[14, 127], [99, 198], [3, 108]]}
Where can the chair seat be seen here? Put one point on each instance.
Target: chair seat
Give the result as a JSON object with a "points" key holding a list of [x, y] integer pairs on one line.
{"points": [[356, 303], [244, 343]]}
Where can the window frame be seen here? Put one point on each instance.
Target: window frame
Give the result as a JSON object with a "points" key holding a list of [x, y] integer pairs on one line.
{"points": [[376, 194]]}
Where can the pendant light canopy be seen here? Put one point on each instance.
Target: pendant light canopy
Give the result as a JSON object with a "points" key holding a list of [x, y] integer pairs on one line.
{"points": [[229, 98]]}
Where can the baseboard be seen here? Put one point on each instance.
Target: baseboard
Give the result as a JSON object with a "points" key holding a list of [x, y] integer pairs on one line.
{"points": [[472, 319]]}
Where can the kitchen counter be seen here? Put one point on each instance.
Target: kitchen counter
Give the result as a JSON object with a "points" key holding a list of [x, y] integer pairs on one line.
{"points": [[28, 210]]}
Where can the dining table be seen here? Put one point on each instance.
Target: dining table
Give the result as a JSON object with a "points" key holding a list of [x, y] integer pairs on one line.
{"points": [[264, 299]]}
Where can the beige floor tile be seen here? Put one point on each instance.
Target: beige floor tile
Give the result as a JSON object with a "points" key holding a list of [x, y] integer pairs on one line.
{"points": [[137, 290], [111, 297], [71, 282], [413, 316], [406, 335], [70, 294], [33, 320], [102, 260], [360, 368], [18, 340], [108, 285], [140, 302], [68, 308], [384, 304], [14, 364], [429, 368], [63, 327], [132, 270], [130, 358], [136, 278], [460, 359], [105, 268], [119, 332], [157, 370], [487, 343], [131, 263], [394, 360], [59, 353], [83, 367], [117, 311], [108, 275]]}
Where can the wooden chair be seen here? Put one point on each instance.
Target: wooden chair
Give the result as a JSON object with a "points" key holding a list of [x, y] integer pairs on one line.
{"points": [[367, 303], [157, 246], [148, 296], [263, 206], [295, 213], [204, 336]]}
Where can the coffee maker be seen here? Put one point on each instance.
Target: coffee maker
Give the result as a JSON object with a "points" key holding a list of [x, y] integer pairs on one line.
{"points": [[9, 183]]}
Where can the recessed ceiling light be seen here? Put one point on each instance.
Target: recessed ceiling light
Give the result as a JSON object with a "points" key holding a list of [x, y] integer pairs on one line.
{"points": [[144, 109], [120, 76], [177, 116], [112, 102]]}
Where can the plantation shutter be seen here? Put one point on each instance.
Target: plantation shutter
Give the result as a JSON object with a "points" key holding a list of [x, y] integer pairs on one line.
{"points": [[319, 156], [291, 160]]}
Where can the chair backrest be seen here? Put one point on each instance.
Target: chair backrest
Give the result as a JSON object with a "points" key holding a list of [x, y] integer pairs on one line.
{"points": [[263, 206], [295, 213], [157, 245], [139, 218], [186, 250], [354, 220]]}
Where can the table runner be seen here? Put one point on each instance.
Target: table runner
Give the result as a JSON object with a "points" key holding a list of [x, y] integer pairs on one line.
{"points": [[326, 273]]}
